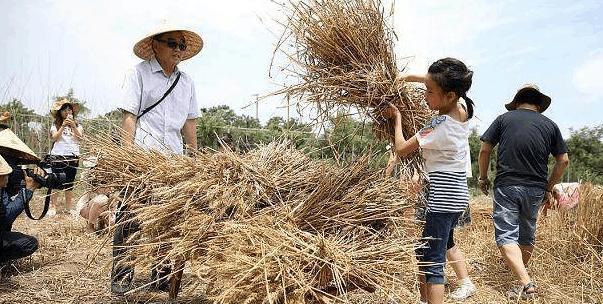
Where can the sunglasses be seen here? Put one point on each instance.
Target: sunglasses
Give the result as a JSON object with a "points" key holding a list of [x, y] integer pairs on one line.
{"points": [[172, 44]]}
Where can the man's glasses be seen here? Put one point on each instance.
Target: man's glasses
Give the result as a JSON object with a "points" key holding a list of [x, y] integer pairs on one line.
{"points": [[172, 44]]}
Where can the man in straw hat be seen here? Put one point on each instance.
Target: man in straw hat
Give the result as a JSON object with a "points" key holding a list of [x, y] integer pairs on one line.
{"points": [[160, 104], [525, 140], [14, 245]]}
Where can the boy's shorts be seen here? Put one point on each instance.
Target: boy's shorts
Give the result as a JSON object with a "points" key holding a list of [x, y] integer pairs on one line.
{"points": [[515, 213]]}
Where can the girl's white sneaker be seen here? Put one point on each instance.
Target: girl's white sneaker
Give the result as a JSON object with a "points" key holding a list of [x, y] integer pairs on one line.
{"points": [[464, 291]]}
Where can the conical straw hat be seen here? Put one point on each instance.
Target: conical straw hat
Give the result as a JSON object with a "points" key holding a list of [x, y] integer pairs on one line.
{"points": [[11, 145], [194, 43], [4, 167]]}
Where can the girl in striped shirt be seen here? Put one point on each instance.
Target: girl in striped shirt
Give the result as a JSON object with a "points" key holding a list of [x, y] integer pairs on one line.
{"points": [[445, 148]]}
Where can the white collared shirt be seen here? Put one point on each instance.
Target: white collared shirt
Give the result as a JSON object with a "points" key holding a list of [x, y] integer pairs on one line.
{"points": [[160, 128]]}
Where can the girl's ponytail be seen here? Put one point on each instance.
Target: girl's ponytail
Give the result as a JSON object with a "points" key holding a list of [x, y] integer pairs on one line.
{"points": [[470, 106]]}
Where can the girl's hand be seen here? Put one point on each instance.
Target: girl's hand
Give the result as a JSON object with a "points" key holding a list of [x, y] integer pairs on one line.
{"points": [[391, 111], [69, 122]]}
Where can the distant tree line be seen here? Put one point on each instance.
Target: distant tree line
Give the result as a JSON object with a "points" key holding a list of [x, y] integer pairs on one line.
{"points": [[341, 138]]}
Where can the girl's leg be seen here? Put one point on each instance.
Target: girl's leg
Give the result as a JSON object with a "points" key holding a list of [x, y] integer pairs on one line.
{"points": [[68, 200], [422, 288], [435, 293], [54, 197], [456, 259]]}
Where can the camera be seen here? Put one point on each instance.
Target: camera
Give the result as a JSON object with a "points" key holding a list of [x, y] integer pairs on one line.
{"points": [[50, 180]]}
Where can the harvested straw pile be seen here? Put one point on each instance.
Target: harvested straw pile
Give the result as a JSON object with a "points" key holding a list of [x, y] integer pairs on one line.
{"points": [[273, 224], [344, 57]]}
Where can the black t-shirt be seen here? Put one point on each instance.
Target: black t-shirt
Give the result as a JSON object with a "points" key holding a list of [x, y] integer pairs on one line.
{"points": [[526, 139]]}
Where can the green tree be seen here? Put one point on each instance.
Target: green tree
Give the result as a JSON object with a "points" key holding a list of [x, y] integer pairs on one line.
{"points": [[585, 150], [222, 123], [346, 138]]}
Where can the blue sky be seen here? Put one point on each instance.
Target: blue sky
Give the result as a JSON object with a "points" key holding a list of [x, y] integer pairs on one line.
{"points": [[50, 46]]}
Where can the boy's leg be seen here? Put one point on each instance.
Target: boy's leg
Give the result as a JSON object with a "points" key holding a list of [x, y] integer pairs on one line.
{"points": [[526, 253], [533, 199], [506, 217], [513, 258]]}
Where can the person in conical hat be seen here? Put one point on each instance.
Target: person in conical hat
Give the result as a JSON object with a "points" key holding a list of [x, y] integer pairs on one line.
{"points": [[159, 126], [14, 245], [13, 147], [159, 107]]}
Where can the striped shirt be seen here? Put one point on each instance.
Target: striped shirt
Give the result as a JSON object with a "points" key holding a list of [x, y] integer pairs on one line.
{"points": [[448, 192]]}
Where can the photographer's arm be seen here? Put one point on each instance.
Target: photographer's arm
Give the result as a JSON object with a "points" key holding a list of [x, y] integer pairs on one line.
{"points": [[14, 207]]}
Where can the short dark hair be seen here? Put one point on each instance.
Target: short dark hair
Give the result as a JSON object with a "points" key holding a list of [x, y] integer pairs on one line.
{"points": [[452, 75]]}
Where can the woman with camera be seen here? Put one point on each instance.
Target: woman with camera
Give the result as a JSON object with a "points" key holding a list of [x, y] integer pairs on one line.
{"points": [[65, 133]]}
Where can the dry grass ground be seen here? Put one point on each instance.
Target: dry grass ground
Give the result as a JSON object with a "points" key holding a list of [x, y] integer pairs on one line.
{"points": [[72, 266]]}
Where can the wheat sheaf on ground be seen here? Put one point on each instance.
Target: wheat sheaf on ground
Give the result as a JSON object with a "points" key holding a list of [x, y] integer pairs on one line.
{"points": [[342, 53], [273, 223]]}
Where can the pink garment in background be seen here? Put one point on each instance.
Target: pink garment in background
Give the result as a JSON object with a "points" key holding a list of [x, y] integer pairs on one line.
{"points": [[567, 194]]}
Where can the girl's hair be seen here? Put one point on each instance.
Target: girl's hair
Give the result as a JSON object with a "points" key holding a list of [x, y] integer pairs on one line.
{"points": [[452, 75], [58, 118]]}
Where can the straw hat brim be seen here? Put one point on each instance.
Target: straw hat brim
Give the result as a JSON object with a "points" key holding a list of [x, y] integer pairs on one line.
{"points": [[4, 167], [11, 145], [57, 105], [544, 101], [144, 50]]}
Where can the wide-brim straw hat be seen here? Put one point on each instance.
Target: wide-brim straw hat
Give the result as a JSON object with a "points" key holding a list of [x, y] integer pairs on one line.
{"points": [[11, 145], [4, 167], [57, 105], [529, 93], [194, 43]]}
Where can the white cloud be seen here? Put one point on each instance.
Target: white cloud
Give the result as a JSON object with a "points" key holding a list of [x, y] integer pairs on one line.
{"points": [[429, 30], [587, 77]]}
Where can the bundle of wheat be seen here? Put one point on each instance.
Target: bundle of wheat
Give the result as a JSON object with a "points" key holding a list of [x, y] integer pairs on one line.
{"points": [[195, 208], [344, 57]]}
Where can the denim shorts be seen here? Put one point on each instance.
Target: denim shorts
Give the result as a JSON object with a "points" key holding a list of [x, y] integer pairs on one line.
{"points": [[439, 228], [515, 213]]}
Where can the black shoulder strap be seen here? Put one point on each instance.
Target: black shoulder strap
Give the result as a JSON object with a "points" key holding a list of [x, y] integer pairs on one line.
{"points": [[162, 98], [28, 210]]}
